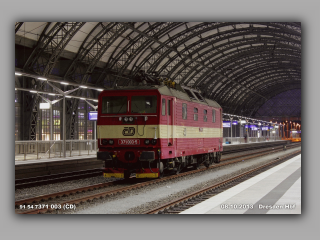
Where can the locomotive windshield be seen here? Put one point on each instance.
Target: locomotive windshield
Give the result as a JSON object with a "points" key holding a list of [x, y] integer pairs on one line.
{"points": [[144, 104], [114, 104]]}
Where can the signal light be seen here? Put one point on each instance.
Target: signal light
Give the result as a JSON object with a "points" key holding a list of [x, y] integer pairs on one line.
{"points": [[125, 119], [147, 142], [104, 142], [154, 141], [111, 142]]}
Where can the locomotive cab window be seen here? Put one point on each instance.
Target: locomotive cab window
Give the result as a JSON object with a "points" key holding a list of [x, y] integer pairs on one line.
{"points": [[195, 115], [184, 111], [205, 118], [163, 110], [114, 104], [144, 104], [168, 107]]}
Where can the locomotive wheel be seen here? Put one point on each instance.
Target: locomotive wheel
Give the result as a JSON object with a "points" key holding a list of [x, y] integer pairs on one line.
{"points": [[217, 158], [179, 165], [161, 171], [178, 169], [196, 166], [211, 158], [207, 163]]}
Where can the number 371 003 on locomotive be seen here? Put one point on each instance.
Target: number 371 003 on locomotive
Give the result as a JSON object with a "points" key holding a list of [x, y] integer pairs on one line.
{"points": [[153, 130]]}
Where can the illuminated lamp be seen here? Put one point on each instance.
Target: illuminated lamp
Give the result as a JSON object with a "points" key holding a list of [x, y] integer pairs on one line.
{"points": [[44, 105]]}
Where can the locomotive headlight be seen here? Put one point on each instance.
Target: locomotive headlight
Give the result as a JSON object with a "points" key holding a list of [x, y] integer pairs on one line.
{"points": [[104, 141], [147, 142], [111, 142], [130, 119], [154, 141], [125, 119]]}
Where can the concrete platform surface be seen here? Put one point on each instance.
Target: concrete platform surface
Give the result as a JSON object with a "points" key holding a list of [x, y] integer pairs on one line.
{"points": [[276, 191]]}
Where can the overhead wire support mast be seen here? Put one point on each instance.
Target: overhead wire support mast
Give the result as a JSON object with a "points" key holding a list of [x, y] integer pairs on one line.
{"points": [[186, 56]]}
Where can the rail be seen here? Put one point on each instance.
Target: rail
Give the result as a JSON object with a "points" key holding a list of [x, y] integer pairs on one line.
{"points": [[32, 150]]}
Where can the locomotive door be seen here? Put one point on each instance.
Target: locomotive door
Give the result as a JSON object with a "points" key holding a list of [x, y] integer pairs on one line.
{"points": [[170, 122]]}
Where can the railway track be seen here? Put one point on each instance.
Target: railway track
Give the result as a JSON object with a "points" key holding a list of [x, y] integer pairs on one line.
{"points": [[53, 196], [183, 203], [56, 178]]}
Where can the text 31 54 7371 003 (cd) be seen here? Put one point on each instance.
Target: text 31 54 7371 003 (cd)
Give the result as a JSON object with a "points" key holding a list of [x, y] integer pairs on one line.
{"points": [[66, 206]]}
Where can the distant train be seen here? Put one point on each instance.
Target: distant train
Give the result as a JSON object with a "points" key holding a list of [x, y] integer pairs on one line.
{"points": [[152, 130]]}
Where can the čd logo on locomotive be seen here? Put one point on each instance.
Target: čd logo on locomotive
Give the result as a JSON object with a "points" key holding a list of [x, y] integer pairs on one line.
{"points": [[128, 131]]}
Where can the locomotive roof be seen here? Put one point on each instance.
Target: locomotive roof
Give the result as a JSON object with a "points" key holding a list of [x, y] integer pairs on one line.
{"points": [[180, 94]]}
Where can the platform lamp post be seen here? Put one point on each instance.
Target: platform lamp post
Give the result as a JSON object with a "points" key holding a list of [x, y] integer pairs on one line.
{"points": [[231, 127], [240, 123], [95, 125], [254, 133], [247, 122]]}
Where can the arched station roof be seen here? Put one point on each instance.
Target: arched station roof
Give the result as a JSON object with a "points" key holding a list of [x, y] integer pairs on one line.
{"points": [[241, 65]]}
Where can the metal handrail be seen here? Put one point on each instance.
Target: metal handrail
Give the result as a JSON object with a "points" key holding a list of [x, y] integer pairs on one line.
{"points": [[32, 150]]}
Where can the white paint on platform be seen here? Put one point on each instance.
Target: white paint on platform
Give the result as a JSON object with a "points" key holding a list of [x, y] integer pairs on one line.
{"points": [[291, 197]]}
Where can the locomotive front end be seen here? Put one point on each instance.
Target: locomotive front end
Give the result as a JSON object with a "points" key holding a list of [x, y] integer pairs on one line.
{"points": [[128, 133]]}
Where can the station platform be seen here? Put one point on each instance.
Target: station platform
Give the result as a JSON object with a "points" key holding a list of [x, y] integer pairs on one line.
{"points": [[276, 191], [236, 146], [41, 167]]}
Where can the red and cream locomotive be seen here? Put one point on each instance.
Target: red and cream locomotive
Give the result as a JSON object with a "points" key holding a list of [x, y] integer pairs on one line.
{"points": [[151, 130]]}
